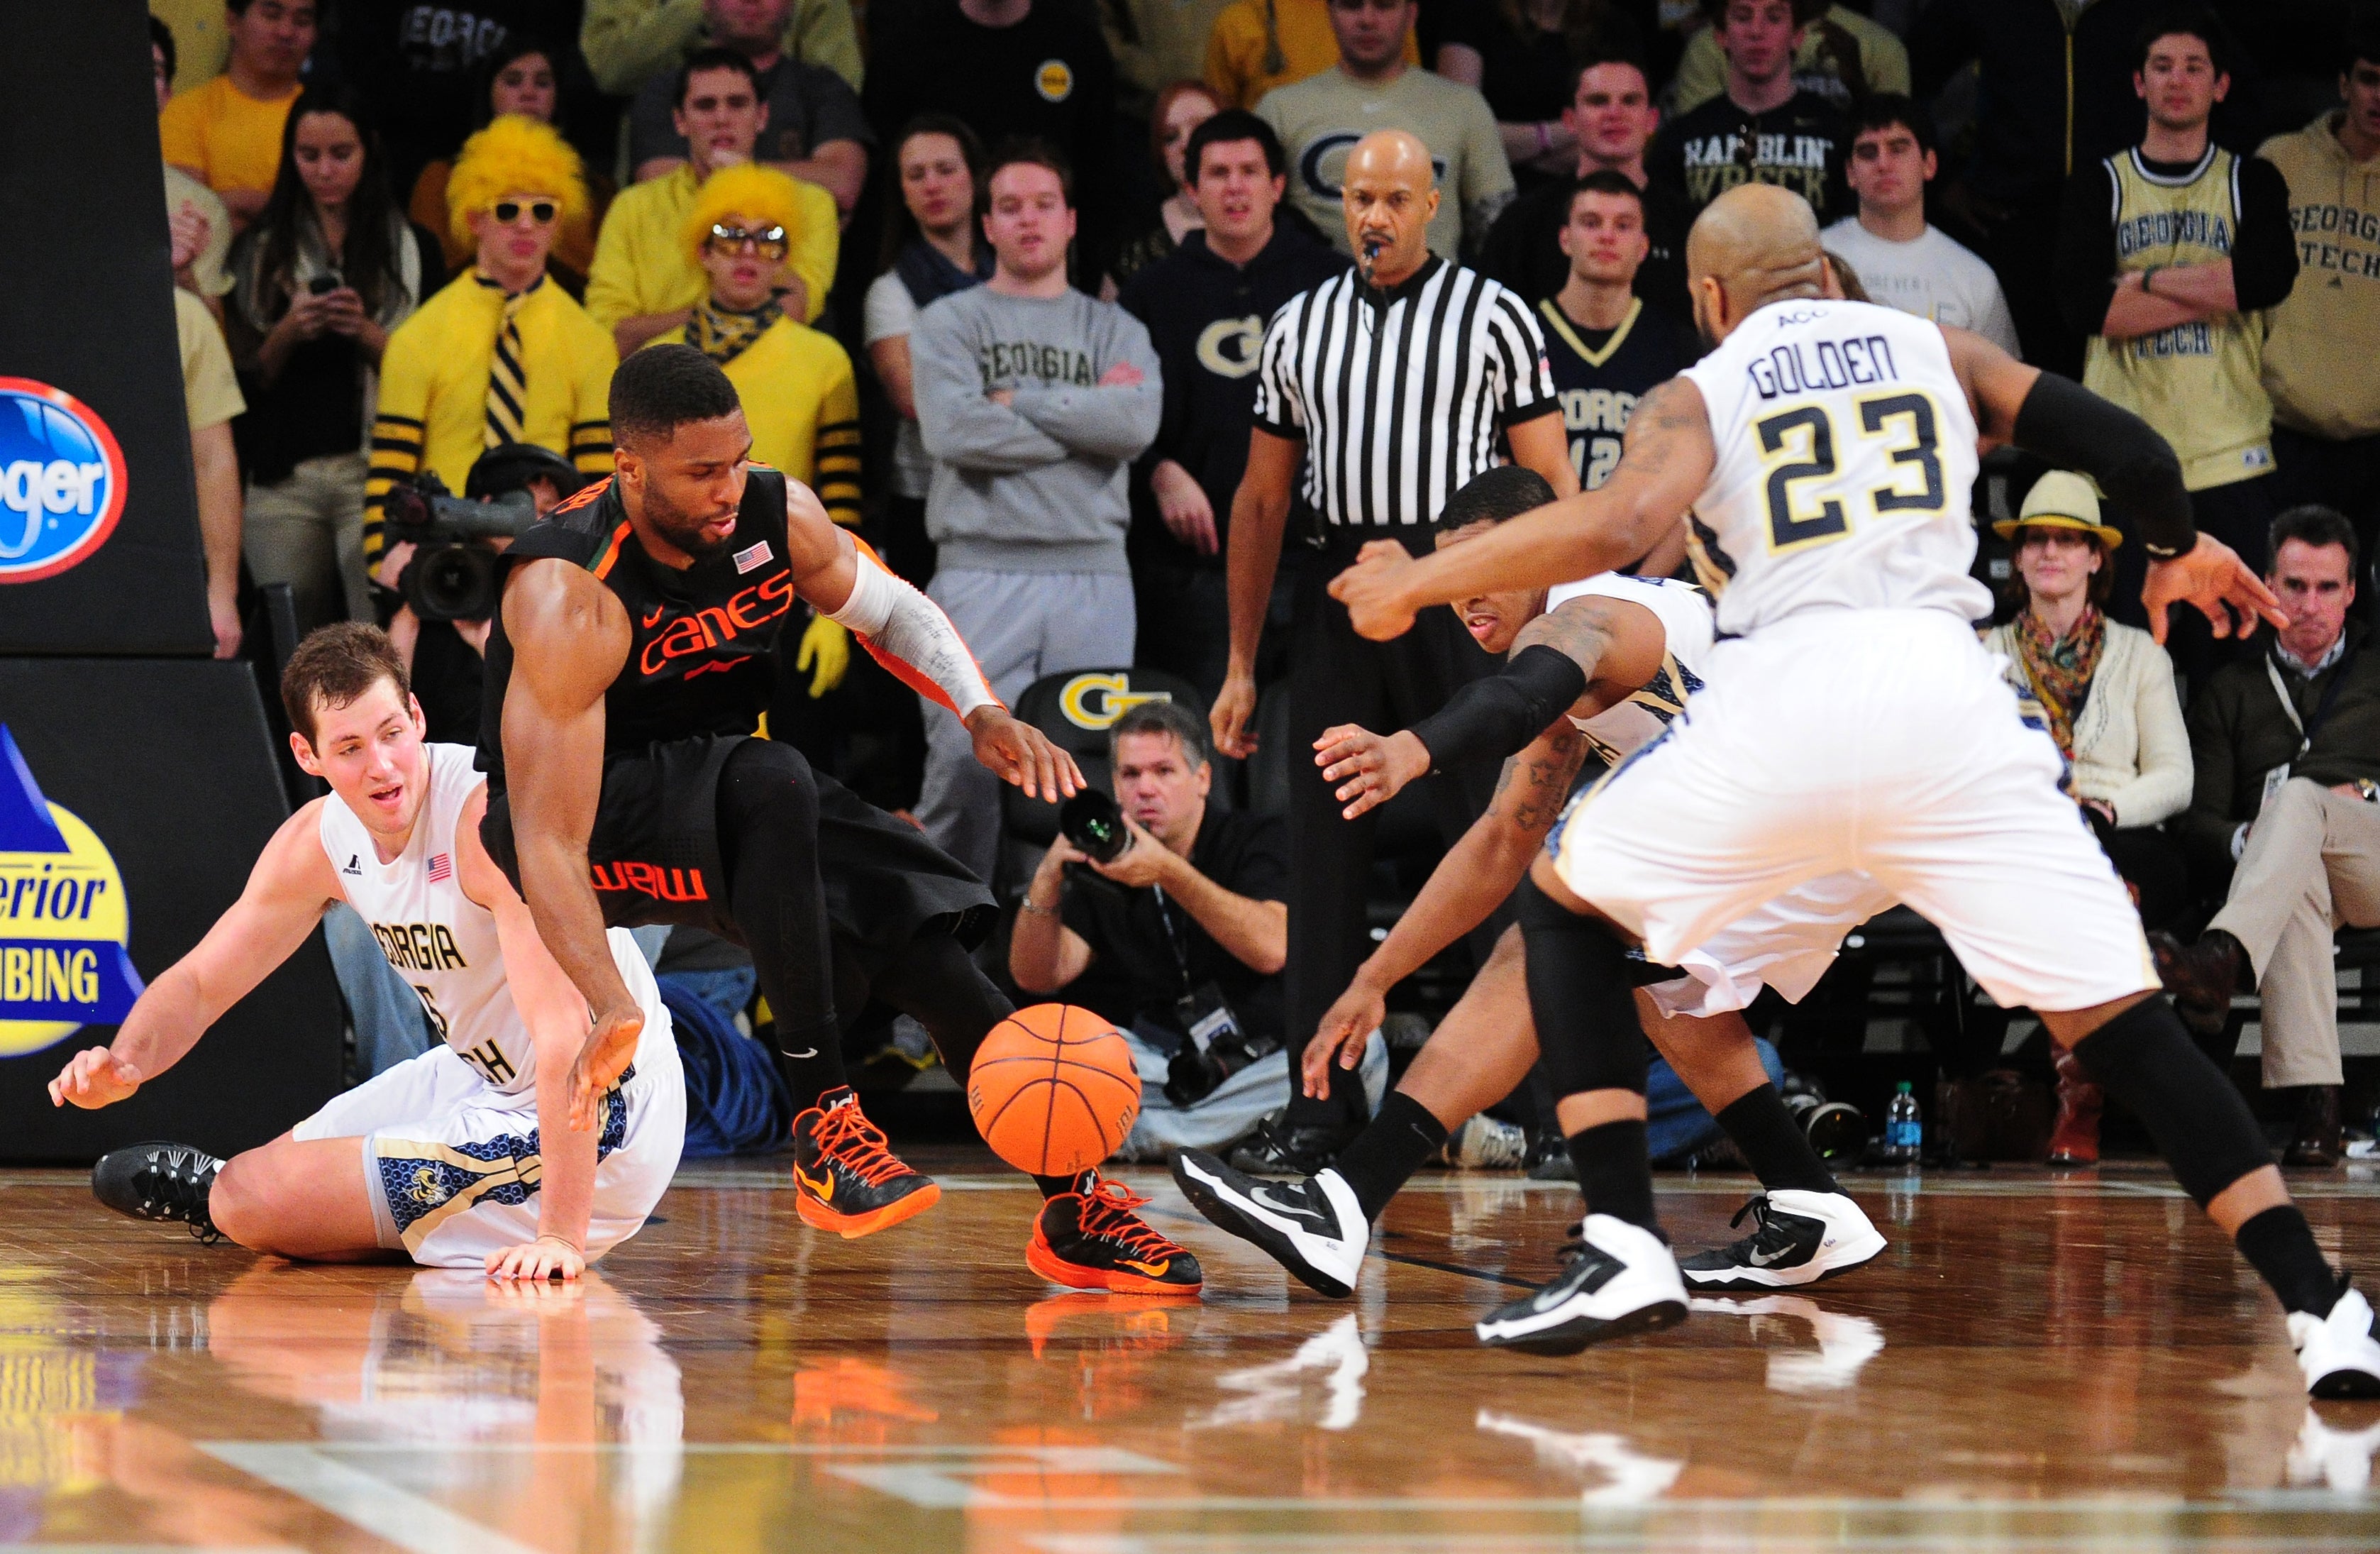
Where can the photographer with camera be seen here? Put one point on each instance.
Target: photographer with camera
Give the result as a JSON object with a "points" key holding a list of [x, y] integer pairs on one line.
{"points": [[1167, 916], [440, 568]]}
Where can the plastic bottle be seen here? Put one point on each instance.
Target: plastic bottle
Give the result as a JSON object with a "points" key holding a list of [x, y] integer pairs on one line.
{"points": [[1904, 1126]]}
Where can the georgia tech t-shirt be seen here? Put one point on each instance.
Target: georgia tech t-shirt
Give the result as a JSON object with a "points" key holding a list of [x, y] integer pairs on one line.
{"points": [[1320, 119]]}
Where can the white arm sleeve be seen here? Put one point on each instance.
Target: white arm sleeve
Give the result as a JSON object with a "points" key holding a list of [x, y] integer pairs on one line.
{"points": [[902, 623]]}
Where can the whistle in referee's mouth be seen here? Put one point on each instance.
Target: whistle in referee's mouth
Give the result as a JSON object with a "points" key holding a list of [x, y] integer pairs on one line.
{"points": [[1372, 246]]}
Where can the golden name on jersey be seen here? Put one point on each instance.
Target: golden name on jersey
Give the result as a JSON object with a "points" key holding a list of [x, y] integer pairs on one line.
{"points": [[420, 947], [1808, 366]]}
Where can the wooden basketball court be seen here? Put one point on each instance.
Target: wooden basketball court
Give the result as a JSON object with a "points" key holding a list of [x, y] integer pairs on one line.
{"points": [[2036, 1364]]}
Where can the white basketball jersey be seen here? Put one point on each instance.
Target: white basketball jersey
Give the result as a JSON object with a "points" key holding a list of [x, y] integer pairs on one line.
{"points": [[1621, 728], [1846, 462], [438, 939]]}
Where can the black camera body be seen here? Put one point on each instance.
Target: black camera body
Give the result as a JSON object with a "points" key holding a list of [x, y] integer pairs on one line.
{"points": [[452, 574]]}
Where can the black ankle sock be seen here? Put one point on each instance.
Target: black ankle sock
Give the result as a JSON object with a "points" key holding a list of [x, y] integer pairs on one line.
{"points": [[2280, 1245], [1773, 1143], [1385, 1155], [1613, 1172], [1053, 1185]]}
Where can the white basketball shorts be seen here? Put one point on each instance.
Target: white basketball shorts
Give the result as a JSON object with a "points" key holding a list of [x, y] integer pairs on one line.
{"points": [[1878, 742], [453, 1162]]}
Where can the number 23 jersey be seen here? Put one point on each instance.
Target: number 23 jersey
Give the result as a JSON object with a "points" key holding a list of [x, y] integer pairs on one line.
{"points": [[1846, 463]]}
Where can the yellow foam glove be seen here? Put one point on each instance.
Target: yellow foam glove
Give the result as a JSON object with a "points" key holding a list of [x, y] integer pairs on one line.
{"points": [[826, 643]]}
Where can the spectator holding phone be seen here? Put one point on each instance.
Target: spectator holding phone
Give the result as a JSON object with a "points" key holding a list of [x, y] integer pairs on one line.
{"points": [[329, 267]]}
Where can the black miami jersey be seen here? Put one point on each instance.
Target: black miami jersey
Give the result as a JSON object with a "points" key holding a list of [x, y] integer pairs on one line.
{"points": [[1600, 374]]}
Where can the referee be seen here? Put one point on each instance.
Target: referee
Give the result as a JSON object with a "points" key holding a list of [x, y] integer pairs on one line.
{"points": [[1391, 382]]}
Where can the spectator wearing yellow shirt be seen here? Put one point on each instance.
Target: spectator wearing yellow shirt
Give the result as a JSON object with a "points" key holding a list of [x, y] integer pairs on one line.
{"points": [[521, 77], [195, 215], [1259, 44], [501, 355], [227, 134], [642, 284], [799, 396], [211, 396], [627, 43]]}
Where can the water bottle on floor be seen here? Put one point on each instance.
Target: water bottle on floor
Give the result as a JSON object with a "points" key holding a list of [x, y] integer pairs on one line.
{"points": [[1904, 1127]]}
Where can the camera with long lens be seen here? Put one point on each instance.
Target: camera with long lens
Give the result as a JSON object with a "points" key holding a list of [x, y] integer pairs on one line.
{"points": [[1092, 821], [1837, 1130], [1195, 1072], [452, 574]]}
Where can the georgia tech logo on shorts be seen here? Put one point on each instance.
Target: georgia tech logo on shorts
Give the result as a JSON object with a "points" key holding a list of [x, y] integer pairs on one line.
{"points": [[62, 480], [1230, 348], [1096, 701], [63, 921], [1054, 80]]}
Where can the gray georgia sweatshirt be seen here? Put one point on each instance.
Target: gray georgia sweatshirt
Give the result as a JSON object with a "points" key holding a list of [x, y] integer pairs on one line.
{"points": [[1038, 487]]}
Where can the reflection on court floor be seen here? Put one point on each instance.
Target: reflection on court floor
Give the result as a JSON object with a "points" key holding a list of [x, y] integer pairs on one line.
{"points": [[2033, 1364]]}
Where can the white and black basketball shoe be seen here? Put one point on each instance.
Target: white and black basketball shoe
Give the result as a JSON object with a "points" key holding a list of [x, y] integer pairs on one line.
{"points": [[1620, 1278], [159, 1182], [2337, 1352], [1798, 1237], [1314, 1228]]}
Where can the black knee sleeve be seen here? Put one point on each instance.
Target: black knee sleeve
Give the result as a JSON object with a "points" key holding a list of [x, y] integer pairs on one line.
{"points": [[2201, 1123], [937, 983], [1581, 995], [768, 837]]}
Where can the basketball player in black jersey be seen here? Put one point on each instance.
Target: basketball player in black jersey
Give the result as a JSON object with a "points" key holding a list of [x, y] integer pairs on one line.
{"points": [[1606, 348], [630, 663]]}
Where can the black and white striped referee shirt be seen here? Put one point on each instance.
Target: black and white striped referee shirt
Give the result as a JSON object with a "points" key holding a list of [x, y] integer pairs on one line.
{"points": [[1399, 395]]}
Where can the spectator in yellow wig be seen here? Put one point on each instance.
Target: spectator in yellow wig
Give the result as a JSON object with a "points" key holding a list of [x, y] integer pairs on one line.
{"points": [[799, 396], [501, 354]]}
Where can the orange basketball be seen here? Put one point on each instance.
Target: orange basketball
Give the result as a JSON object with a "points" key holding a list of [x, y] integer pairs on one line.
{"points": [[1052, 1089]]}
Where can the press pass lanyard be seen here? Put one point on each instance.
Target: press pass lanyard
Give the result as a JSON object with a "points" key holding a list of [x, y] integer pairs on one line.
{"points": [[2308, 729], [1181, 959]]}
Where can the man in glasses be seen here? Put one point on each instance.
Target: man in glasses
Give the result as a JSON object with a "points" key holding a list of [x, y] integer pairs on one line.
{"points": [[642, 284], [501, 354]]}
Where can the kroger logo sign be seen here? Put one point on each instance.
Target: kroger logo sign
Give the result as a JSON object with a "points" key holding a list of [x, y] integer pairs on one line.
{"points": [[62, 480]]}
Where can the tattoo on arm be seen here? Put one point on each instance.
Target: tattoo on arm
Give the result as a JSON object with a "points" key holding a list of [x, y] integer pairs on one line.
{"points": [[1671, 409], [1535, 785], [1580, 630]]}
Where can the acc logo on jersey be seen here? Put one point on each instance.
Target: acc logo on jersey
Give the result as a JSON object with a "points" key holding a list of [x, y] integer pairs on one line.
{"points": [[1054, 80], [1096, 701], [63, 921], [1230, 348], [62, 480]]}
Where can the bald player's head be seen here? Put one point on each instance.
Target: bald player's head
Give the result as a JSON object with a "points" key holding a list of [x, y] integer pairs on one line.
{"points": [[1389, 193], [1755, 245]]}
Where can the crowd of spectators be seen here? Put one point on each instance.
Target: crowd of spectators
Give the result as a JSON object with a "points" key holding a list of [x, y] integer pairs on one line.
{"points": [[992, 276]]}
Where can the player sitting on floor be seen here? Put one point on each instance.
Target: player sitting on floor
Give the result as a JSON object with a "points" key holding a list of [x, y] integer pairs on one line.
{"points": [[463, 1157], [1597, 669]]}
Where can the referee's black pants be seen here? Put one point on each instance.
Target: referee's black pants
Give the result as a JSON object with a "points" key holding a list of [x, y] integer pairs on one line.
{"points": [[1337, 677]]}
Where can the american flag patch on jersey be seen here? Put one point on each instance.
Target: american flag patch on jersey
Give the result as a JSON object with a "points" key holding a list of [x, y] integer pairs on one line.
{"points": [[751, 556], [442, 867]]}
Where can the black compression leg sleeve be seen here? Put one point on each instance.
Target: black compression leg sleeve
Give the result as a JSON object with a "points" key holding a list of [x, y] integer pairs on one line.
{"points": [[937, 983], [1391, 1149], [1583, 998], [2201, 1124], [1773, 1143], [768, 837]]}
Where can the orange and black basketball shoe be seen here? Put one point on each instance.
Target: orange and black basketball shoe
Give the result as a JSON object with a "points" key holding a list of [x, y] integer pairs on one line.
{"points": [[1090, 1239], [846, 1178]]}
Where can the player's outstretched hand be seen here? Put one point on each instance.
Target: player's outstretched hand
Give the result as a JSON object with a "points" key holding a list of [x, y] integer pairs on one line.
{"points": [[549, 1256], [610, 1048], [95, 1077], [2210, 575], [1370, 590], [1370, 769], [1021, 754], [1345, 1031], [1233, 716]]}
